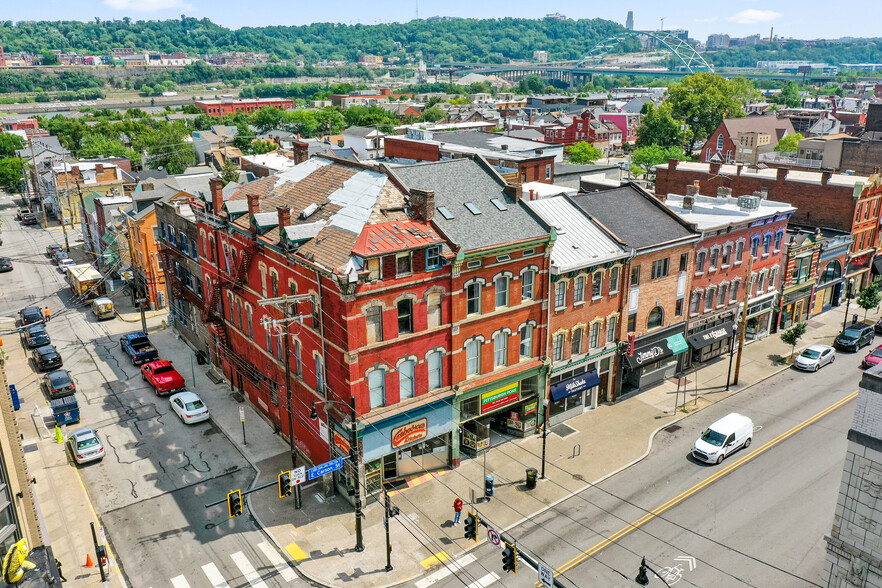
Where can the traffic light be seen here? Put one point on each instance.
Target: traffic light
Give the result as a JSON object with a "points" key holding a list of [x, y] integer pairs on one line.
{"points": [[284, 484], [471, 527], [510, 558], [234, 503]]}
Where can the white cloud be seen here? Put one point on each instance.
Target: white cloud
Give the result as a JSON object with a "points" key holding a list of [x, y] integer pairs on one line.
{"points": [[145, 5], [753, 16]]}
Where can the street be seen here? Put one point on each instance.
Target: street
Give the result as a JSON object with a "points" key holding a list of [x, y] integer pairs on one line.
{"points": [[158, 473], [757, 519]]}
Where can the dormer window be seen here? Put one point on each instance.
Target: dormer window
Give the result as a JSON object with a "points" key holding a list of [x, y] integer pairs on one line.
{"points": [[404, 265]]}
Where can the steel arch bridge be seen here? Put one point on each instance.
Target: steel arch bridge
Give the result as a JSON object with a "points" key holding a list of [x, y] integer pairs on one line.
{"points": [[686, 53]]}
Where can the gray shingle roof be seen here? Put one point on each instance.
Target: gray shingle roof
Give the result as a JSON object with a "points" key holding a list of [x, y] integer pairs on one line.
{"points": [[458, 181], [635, 217]]}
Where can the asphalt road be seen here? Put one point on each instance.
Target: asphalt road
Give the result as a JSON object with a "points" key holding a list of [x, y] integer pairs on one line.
{"points": [[758, 519], [151, 488]]}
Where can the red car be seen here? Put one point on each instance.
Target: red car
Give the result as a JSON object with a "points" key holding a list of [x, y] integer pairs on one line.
{"points": [[873, 358], [164, 378]]}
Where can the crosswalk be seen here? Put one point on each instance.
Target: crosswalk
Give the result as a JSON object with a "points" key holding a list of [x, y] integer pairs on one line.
{"points": [[282, 575]]}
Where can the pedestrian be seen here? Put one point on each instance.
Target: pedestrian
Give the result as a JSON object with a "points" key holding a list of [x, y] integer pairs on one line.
{"points": [[60, 572], [457, 511], [47, 314]]}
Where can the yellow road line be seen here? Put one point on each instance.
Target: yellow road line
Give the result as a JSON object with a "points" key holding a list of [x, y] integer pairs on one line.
{"points": [[435, 559], [699, 486]]}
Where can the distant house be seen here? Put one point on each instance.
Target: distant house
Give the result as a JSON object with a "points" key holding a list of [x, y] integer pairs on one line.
{"points": [[367, 143], [741, 140]]}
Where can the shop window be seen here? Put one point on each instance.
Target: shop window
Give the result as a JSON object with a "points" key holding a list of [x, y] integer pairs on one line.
{"points": [[767, 244], [832, 272], [714, 259], [721, 295], [319, 379], [526, 347], [576, 343], [558, 347], [699, 262], [527, 282], [500, 350], [656, 318], [709, 299], [473, 358], [614, 280], [635, 275], [377, 388], [660, 268], [433, 257], [501, 285], [405, 379], [374, 322], [405, 316], [560, 295], [473, 298], [433, 312], [435, 375], [403, 264], [695, 304], [739, 251], [727, 255], [611, 325], [594, 343], [597, 285]]}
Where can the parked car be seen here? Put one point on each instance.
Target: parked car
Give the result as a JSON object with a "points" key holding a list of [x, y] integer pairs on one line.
{"points": [[65, 263], [102, 308], [878, 327], [854, 337], [873, 358], [31, 315], [815, 357], [51, 249], [164, 378], [723, 438], [35, 336], [5, 264], [29, 218], [22, 210], [189, 407], [59, 255], [85, 445], [46, 358], [139, 348], [58, 384]]}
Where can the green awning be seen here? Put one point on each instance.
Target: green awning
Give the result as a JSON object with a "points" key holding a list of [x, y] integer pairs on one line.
{"points": [[677, 343]]}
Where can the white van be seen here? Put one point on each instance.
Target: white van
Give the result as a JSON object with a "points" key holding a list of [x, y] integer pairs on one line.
{"points": [[723, 438]]}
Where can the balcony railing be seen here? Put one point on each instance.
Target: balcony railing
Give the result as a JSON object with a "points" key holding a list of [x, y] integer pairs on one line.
{"points": [[786, 159]]}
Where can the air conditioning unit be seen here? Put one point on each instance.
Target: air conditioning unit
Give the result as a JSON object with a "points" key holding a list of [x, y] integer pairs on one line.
{"points": [[749, 202]]}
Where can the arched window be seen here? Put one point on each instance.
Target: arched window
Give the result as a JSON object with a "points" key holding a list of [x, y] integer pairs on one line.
{"points": [[832, 272], [405, 379], [656, 318]]}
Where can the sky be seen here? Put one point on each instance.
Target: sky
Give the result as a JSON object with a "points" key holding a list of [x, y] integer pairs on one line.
{"points": [[740, 18]]}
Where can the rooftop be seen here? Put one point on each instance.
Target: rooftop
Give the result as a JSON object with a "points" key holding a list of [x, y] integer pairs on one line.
{"points": [[709, 212], [809, 177]]}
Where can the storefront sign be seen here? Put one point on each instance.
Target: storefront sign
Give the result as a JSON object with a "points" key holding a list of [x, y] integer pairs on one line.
{"points": [[341, 442], [530, 408], [860, 260], [673, 345], [712, 335], [494, 399], [574, 385], [410, 432]]}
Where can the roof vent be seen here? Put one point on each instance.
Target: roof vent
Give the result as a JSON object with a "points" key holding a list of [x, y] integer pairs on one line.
{"points": [[308, 211]]}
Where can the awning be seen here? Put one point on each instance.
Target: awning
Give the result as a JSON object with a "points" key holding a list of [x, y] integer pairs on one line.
{"points": [[877, 265], [712, 335], [574, 385], [673, 345]]}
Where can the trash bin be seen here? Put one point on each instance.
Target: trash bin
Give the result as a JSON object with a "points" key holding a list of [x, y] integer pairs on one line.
{"points": [[531, 478], [488, 486]]}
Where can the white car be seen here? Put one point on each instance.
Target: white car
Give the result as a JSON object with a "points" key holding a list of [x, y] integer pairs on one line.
{"points": [[815, 357], [66, 263], [85, 445], [189, 407]]}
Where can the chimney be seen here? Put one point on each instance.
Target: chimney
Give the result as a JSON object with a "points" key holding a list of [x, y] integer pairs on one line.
{"points": [[692, 191], [516, 191], [423, 203], [825, 177], [738, 167], [339, 142], [672, 164], [724, 192], [75, 170], [284, 216], [504, 148], [253, 204], [99, 168], [301, 151], [782, 174], [217, 195], [688, 201], [715, 168]]}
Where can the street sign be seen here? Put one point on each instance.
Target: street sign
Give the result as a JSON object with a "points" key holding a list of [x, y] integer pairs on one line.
{"points": [[325, 468], [298, 475], [493, 537], [242, 413], [546, 575]]}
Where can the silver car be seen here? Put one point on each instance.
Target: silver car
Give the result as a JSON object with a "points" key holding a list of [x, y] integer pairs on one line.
{"points": [[815, 357], [85, 445]]}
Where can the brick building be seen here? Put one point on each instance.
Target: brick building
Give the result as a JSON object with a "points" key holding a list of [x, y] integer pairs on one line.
{"points": [[738, 140], [801, 261], [861, 265], [658, 279], [585, 127], [230, 105]]}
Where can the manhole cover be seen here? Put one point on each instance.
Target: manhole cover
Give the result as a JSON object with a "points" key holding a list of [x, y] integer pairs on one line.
{"points": [[673, 428]]}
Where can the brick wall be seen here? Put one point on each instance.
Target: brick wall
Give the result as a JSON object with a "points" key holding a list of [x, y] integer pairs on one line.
{"points": [[662, 290], [411, 149]]}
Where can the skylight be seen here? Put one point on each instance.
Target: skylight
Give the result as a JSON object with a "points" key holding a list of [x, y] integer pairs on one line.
{"points": [[498, 204], [442, 210], [472, 208]]}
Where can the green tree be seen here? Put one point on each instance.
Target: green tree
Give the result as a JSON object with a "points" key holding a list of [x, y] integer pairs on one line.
{"points": [[267, 118], [659, 127], [229, 172], [792, 336], [869, 298], [789, 143], [650, 156], [433, 114], [167, 148], [10, 174], [261, 146], [244, 137], [9, 143], [789, 96], [583, 153], [96, 145], [703, 100], [48, 57], [330, 121]]}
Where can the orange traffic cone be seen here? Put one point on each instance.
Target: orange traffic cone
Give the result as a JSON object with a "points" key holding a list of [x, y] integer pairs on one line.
{"points": [[89, 562]]}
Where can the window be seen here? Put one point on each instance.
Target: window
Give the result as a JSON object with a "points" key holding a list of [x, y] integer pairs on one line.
{"points": [[274, 279], [611, 324], [779, 236], [576, 343], [695, 304], [280, 346], [660, 268], [238, 313], [500, 350], [435, 376], [548, 171], [403, 263], [739, 251], [727, 255], [579, 289], [374, 321], [558, 347], [405, 316], [684, 261], [773, 278], [754, 246], [473, 358], [714, 259], [527, 280], [298, 365], [377, 388], [319, 380], [263, 280], [614, 280], [635, 275], [433, 257], [526, 333], [709, 299], [767, 244], [595, 336], [720, 139], [249, 326], [656, 318], [473, 298], [501, 284], [433, 312], [405, 379], [597, 285], [735, 285], [632, 322], [699, 262], [721, 295], [560, 295], [678, 307], [761, 283]]}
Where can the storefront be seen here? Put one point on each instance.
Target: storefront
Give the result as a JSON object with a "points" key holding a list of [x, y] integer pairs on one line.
{"points": [[858, 269], [760, 313], [712, 339], [581, 385], [495, 413], [656, 357], [795, 304]]}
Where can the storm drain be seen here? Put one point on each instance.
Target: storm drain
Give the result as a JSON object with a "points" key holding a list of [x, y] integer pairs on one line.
{"points": [[673, 428], [562, 430]]}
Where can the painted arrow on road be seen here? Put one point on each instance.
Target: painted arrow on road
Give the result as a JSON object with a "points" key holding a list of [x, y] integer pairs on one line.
{"points": [[688, 559]]}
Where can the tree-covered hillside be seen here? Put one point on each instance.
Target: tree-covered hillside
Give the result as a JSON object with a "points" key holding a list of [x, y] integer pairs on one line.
{"points": [[833, 53]]}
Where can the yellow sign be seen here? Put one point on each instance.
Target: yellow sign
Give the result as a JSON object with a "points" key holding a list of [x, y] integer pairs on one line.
{"points": [[15, 564], [499, 397]]}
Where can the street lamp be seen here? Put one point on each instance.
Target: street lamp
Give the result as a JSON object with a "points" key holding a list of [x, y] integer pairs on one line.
{"points": [[356, 461], [848, 293]]}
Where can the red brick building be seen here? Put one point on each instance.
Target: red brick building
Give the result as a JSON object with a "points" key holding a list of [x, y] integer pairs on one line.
{"points": [[727, 144], [233, 105], [587, 128], [801, 261], [865, 234]]}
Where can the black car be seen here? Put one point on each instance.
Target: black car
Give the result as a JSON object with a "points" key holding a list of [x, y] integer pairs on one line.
{"points": [[51, 249], [59, 384], [31, 315], [5, 264], [35, 336], [854, 337], [46, 358], [878, 327]]}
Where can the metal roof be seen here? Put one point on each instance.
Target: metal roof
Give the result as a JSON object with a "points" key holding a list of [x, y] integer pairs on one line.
{"points": [[394, 236]]}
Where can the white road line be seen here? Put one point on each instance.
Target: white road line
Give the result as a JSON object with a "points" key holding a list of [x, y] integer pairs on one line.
{"points": [[180, 582], [280, 564], [485, 581], [248, 570], [214, 576], [445, 571]]}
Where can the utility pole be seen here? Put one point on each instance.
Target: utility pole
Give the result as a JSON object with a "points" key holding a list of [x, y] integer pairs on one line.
{"points": [[743, 327], [66, 189]]}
